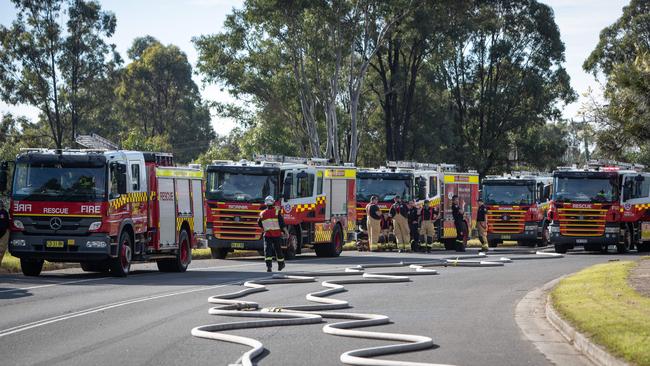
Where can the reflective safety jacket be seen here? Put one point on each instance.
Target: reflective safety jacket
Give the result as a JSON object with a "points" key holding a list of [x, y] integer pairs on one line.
{"points": [[271, 222]]}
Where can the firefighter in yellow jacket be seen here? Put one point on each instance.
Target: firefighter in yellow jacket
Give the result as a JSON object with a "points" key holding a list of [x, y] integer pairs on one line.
{"points": [[272, 223], [399, 213], [428, 216]]}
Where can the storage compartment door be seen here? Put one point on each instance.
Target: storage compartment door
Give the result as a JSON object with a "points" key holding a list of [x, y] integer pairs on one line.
{"points": [[197, 206], [167, 214], [339, 197], [183, 197]]}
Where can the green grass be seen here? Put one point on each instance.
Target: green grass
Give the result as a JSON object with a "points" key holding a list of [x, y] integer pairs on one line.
{"points": [[11, 264], [601, 304]]}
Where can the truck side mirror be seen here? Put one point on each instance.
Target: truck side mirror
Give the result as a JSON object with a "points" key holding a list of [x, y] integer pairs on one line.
{"points": [[4, 176], [286, 189]]}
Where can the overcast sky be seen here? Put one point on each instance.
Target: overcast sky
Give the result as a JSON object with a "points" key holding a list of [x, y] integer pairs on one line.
{"points": [[177, 21]]}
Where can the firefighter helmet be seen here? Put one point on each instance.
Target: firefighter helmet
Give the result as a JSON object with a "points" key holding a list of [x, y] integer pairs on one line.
{"points": [[269, 201]]}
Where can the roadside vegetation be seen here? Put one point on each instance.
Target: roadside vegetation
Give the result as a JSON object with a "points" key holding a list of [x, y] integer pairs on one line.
{"points": [[599, 302]]}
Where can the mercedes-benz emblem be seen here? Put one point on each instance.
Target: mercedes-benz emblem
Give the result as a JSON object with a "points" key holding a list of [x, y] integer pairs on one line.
{"points": [[56, 223]]}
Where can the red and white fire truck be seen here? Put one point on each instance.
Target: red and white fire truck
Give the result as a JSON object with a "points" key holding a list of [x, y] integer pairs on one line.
{"points": [[318, 203], [385, 183], [516, 205], [104, 209], [604, 204], [438, 183]]}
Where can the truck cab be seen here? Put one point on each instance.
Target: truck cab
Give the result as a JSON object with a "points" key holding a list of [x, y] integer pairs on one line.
{"points": [[635, 210]]}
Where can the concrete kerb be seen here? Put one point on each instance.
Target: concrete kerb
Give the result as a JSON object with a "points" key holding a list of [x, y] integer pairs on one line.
{"points": [[555, 338]]}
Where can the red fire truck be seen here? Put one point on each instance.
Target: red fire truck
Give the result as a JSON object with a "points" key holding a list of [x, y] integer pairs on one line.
{"points": [[516, 205], [104, 209], [385, 183], [318, 203], [588, 208]]}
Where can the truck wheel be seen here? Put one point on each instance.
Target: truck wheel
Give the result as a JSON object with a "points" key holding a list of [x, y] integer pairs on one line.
{"points": [[219, 253], [121, 265], [560, 248], [334, 248], [183, 256], [493, 243], [627, 243], [31, 267], [292, 244], [94, 266]]}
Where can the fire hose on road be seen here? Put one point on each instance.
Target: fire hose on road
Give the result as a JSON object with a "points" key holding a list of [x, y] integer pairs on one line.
{"points": [[230, 304]]}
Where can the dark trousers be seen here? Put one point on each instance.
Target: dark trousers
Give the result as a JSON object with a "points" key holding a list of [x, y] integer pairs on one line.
{"points": [[415, 236], [461, 235], [273, 248]]}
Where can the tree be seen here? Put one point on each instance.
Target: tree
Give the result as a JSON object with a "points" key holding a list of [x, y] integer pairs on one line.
{"points": [[55, 67], [504, 72], [543, 147], [157, 95]]}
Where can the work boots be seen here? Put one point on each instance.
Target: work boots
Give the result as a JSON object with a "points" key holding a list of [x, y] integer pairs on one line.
{"points": [[280, 266]]}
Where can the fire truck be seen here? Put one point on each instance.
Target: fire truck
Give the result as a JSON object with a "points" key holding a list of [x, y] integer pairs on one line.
{"points": [[601, 205], [104, 209], [385, 183], [516, 207], [317, 200], [438, 183]]}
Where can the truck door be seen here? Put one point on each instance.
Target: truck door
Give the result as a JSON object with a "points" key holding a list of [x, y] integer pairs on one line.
{"points": [[298, 188], [137, 188]]}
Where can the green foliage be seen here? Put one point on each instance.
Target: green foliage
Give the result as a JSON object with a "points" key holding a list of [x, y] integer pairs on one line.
{"points": [[136, 140], [543, 147]]}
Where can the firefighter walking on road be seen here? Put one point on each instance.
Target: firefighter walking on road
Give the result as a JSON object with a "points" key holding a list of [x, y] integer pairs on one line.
{"points": [[482, 225], [399, 213], [427, 229], [373, 214], [459, 223], [272, 223]]}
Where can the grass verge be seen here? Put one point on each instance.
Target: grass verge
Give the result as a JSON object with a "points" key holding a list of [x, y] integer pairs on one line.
{"points": [[11, 264], [599, 302]]}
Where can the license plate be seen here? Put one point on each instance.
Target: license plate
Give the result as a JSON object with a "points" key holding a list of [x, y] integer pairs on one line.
{"points": [[505, 236], [581, 241], [54, 244], [237, 245]]}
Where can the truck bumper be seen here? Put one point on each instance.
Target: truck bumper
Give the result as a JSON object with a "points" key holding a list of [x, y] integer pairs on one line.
{"points": [[530, 233], [235, 244], [93, 247], [609, 238]]}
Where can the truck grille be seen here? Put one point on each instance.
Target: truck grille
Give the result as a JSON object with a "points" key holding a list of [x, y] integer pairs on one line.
{"points": [[70, 225], [582, 221], [506, 221], [236, 224]]}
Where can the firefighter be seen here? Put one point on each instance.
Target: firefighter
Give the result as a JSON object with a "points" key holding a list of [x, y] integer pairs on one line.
{"points": [[4, 230], [481, 225], [373, 214], [272, 223], [414, 221], [428, 216], [459, 223], [399, 213]]}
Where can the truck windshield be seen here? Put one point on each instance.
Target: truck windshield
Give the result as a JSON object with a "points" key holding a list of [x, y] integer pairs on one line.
{"points": [[508, 194], [59, 182], [584, 189], [385, 189], [247, 187]]}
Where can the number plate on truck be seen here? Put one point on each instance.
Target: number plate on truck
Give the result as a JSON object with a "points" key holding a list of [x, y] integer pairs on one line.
{"points": [[54, 243], [505, 236], [237, 245], [581, 241]]}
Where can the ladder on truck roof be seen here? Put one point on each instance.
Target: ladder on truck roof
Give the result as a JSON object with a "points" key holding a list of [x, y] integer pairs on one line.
{"points": [[94, 141]]}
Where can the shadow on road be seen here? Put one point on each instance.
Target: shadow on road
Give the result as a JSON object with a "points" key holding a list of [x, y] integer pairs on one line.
{"points": [[11, 293]]}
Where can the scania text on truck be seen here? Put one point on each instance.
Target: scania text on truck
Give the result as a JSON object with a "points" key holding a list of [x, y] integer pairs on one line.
{"points": [[586, 208], [103, 209], [438, 183], [516, 205], [317, 200]]}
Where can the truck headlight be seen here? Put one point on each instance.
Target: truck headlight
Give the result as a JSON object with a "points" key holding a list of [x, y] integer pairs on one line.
{"points": [[95, 244], [95, 226], [612, 230], [554, 229], [19, 225], [19, 243], [530, 228]]}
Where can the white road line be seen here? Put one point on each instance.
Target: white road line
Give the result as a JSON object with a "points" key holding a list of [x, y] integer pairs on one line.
{"points": [[59, 318]]}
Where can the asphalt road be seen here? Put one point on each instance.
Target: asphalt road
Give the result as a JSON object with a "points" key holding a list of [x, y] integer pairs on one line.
{"points": [[73, 318]]}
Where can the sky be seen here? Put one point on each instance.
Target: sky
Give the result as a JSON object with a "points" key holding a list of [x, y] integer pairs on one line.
{"points": [[178, 21]]}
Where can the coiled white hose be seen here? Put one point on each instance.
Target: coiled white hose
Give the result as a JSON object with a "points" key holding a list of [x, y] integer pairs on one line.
{"points": [[315, 313]]}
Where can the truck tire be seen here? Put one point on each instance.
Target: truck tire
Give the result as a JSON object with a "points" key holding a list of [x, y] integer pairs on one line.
{"points": [[561, 248], [332, 249], [31, 267], [293, 244], [219, 253], [121, 266], [94, 266], [450, 244], [592, 247], [183, 256]]}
